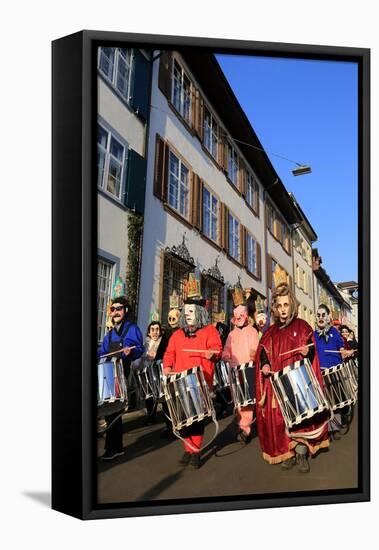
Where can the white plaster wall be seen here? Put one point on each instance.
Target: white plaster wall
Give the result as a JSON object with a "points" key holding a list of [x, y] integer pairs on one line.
{"points": [[275, 249], [161, 229], [117, 114], [112, 230], [306, 300]]}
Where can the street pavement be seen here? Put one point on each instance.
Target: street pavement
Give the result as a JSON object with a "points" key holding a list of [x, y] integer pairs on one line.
{"points": [[149, 469]]}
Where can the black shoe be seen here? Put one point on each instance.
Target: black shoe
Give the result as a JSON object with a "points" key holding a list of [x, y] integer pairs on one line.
{"points": [[335, 435], [195, 461], [303, 463], [289, 463], [184, 461], [110, 455], [244, 437]]}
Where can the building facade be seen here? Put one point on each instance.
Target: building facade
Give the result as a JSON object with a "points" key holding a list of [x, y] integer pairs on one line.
{"points": [[123, 81], [349, 291]]}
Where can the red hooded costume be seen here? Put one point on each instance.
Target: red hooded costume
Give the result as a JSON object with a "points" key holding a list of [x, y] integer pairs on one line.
{"points": [[276, 445]]}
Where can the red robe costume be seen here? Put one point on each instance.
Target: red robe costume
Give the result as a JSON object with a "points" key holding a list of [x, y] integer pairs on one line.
{"points": [[276, 445], [206, 338]]}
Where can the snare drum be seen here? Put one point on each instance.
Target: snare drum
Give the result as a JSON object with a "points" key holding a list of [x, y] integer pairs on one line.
{"points": [[150, 380], [221, 375], [352, 369], [112, 394], [242, 383], [298, 393], [339, 389], [187, 397]]}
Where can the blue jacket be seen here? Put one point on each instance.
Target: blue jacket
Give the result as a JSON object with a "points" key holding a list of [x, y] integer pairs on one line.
{"points": [[129, 335], [335, 343]]}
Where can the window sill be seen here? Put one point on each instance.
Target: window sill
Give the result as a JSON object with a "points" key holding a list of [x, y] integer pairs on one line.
{"points": [[119, 96], [236, 262], [255, 212], [253, 276], [209, 241], [185, 122], [278, 241], [112, 198], [177, 215]]}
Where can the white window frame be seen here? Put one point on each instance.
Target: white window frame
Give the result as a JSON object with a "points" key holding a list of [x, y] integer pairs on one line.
{"points": [[105, 295], [234, 237], [232, 164], [119, 57], [213, 129], [179, 199], [252, 254], [108, 159], [214, 218], [251, 188], [183, 100]]}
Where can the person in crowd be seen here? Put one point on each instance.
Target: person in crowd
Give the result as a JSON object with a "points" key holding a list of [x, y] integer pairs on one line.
{"points": [[198, 335], [125, 338], [286, 341], [240, 347]]}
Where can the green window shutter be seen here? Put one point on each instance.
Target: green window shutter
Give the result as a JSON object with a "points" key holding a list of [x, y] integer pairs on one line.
{"points": [[139, 87], [134, 196]]}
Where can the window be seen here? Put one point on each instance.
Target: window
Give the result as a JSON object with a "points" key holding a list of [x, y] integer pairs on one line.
{"points": [[175, 273], [181, 92], [252, 264], [270, 218], [178, 185], [251, 191], [305, 282], [210, 133], [111, 162], [232, 165], [105, 275], [210, 215], [234, 237], [114, 64], [213, 292]]}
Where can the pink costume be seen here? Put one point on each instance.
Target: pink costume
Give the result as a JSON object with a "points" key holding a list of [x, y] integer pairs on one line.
{"points": [[240, 347]]}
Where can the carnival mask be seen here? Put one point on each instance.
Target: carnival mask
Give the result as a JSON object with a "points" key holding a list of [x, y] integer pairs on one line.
{"points": [[261, 320], [322, 318], [173, 318], [190, 314], [240, 316]]}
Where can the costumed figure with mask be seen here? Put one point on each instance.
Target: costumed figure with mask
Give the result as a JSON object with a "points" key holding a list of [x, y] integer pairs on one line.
{"points": [[126, 338], [261, 321], [223, 397], [287, 334], [240, 347], [195, 333], [173, 315], [329, 339]]}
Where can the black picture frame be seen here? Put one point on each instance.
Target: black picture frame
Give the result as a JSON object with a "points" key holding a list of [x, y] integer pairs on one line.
{"points": [[74, 292]]}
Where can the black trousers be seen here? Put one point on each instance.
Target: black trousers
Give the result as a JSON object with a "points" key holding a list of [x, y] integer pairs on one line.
{"points": [[113, 435]]}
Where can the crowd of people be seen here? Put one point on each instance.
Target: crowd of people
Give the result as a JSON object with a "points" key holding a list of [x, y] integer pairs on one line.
{"points": [[271, 342]]}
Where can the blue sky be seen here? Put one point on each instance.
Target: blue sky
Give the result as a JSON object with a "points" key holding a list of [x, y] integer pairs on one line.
{"points": [[307, 111]]}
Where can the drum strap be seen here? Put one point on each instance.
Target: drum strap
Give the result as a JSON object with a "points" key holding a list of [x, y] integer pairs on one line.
{"points": [[195, 449]]}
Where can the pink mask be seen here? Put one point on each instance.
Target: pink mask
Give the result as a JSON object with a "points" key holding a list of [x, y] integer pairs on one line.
{"points": [[239, 316]]}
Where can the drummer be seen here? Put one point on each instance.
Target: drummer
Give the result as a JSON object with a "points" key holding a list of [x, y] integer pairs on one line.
{"points": [[287, 334], [126, 338], [328, 342], [241, 346], [197, 334]]}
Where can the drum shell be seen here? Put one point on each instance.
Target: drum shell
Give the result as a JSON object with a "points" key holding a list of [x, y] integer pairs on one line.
{"points": [[339, 386], [243, 384], [298, 393], [111, 388], [221, 378]]}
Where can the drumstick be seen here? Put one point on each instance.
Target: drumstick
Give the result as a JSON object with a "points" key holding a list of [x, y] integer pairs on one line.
{"points": [[114, 352], [331, 351], [202, 350], [296, 349]]}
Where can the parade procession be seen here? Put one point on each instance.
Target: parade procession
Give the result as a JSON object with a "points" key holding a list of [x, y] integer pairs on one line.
{"points": [[227, 358]]}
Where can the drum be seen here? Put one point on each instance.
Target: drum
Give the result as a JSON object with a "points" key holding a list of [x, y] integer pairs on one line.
{"points": [[298, 393], [352, 369], [339, 389], [242, 383], [187, 397], [221, 375], [112, 391], [150, 380]]}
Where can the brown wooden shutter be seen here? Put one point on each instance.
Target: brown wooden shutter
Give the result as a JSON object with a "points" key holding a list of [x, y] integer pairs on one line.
{"points": [[198, 113], [267, 215], [223, 151], [197, 202], [243, 238], [242, 177], [224, 222], [259, 260], [256, 198], [160, 172], [165, 73], [269, 270]]}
